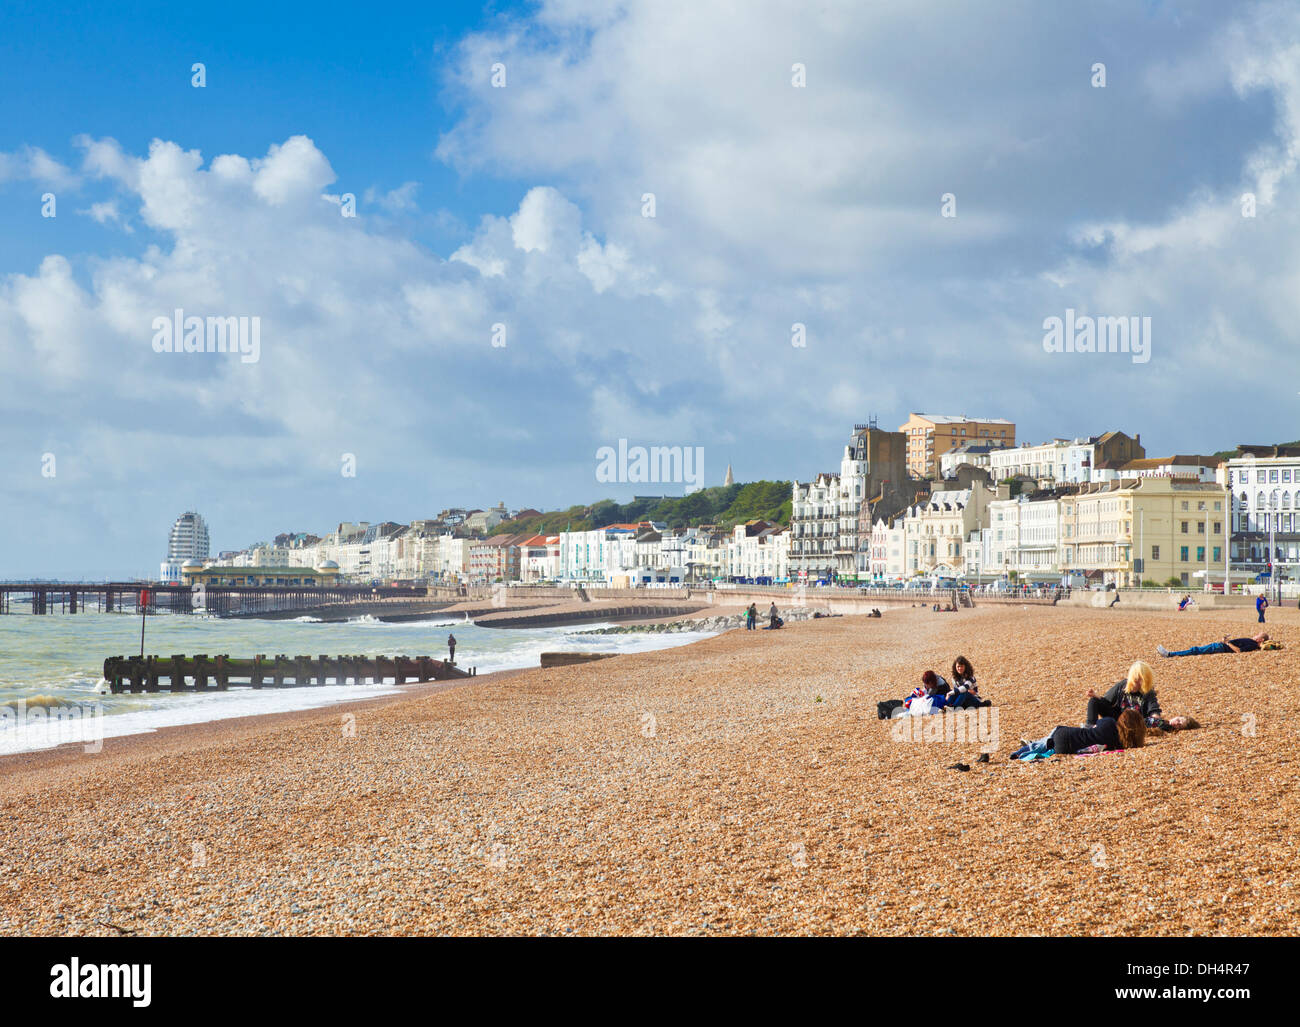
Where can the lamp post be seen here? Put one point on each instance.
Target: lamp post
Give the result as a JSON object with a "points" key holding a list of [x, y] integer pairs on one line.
{"points": [[1274, 590]]}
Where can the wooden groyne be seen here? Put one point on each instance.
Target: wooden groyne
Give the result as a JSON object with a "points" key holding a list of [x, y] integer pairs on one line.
{"points": [[596, 612], [569, 659], [217, 673]]}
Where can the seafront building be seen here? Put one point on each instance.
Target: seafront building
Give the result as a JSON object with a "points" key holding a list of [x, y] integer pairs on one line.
{"points": [[930, 436], [1066, 461], [936, 528], [1264, 485], [1147, 529], [188, 541]]}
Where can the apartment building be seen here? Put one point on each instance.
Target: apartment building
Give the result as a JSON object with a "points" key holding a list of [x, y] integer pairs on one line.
{"points": [[1201, 468], [930, 436], [1024, 536], [1264, 485], [1066, 461], [886, 559], [1155, 529], [935, 530], [974, 454], [815, 528]]}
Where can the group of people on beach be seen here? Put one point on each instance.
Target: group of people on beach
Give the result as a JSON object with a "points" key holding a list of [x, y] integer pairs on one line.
{"points": [[774, 620], [1117, 719], [936, 693]]}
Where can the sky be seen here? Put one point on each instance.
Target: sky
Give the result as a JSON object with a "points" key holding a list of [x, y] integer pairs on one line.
{"points": [[482, 243]]}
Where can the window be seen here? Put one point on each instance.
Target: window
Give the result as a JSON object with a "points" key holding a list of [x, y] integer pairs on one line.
{"points": [[1218, 527], [1155, 552], [1184, 507], [1200, 554], [1286, 475], [1272, 475], [1184, 524]]}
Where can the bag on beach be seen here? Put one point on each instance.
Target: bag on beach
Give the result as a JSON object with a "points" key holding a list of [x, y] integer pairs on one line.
{"points": [[885, 710]]}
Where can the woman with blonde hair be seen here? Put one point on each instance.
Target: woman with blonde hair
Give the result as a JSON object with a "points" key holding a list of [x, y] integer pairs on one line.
{"points": [[1136, 692]]}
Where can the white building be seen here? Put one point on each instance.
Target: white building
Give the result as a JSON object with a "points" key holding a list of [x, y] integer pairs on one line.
{"points": [[888, 546], [188, 541], [1201, 468], [975, 453], [1264, 485], [1025, 537]]}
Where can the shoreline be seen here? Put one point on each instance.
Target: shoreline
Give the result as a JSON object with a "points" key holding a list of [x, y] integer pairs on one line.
{"points": [[739, 785]]}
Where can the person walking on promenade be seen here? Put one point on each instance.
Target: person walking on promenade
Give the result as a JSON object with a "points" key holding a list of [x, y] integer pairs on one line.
{"points": [[1228, 645], [451, 648], [1261, 604]]}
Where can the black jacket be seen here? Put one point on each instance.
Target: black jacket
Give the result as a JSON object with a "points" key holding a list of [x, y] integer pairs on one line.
{"points": [[1145, 703], [1069, 740]]}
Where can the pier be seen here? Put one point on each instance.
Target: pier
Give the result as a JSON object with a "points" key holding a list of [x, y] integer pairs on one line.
{"points": [[216, 600], [202, 673]]}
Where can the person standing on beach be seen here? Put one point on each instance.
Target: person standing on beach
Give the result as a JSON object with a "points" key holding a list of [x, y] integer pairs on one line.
{"points": [[451, 648], [751, 615], [771, 615], [1261, 604]]}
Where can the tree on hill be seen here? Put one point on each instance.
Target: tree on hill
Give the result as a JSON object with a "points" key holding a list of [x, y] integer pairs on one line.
{"points": [[724, 505]]}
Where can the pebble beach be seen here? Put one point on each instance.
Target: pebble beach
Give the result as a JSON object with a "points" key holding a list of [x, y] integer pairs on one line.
{"points": [[739, 785]]}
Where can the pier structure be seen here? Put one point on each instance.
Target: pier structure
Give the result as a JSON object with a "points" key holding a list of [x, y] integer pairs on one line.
{"points": [[216, 600]]}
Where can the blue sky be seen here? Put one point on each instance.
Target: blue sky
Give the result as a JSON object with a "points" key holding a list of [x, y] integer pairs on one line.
{"points": [[522, 206]]}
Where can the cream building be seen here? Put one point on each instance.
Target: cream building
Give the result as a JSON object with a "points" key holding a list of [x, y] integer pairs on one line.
{"points": [[935, 531], [1173, 525]]}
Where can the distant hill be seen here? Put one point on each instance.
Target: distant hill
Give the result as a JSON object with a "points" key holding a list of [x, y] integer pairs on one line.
{"points": [[724, 505]]}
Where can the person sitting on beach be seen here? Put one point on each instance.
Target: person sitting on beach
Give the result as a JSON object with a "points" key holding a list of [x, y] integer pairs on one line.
{"points": [[965, 692], [932, 688], [1185, 602], [1228, 645], [1136, 692], [1127, 731]]}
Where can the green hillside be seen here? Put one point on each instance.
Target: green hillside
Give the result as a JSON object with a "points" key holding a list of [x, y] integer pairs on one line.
{"points": [[724, 505]]}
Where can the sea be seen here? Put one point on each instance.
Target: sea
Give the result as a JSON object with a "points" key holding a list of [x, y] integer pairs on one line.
{"points": [[51, 666]]}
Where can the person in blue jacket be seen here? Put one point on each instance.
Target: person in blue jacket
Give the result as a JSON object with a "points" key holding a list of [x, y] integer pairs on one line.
{"points": [[1261, 604]]}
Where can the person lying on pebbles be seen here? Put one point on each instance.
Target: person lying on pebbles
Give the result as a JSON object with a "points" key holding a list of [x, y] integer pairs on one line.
{"points": [[1228, 645], [1128, 731]]}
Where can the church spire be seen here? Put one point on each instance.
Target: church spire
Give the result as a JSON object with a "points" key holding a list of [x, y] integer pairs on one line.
{"points": [[729, 480]]}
